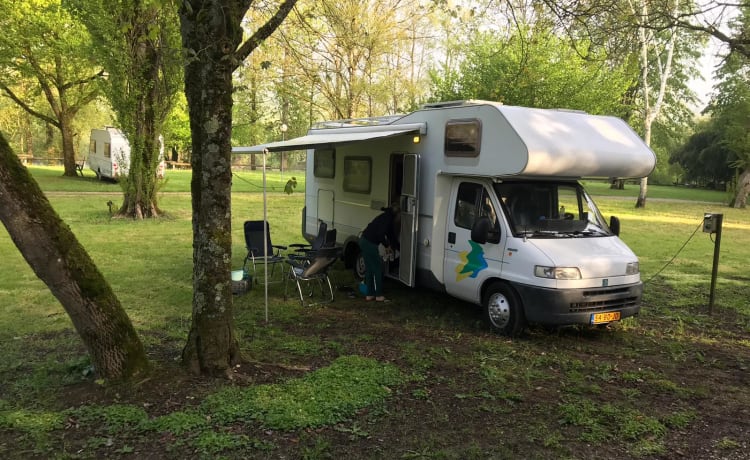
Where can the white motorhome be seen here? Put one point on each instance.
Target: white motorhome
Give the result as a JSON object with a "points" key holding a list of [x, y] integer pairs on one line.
{"points": [[109, 154], [492, 210]]}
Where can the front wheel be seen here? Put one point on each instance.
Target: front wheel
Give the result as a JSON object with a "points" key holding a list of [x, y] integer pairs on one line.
{"points": [[503, 310]]}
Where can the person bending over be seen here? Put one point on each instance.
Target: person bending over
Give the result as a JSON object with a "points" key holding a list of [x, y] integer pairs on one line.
{"points": [[380, 231]]}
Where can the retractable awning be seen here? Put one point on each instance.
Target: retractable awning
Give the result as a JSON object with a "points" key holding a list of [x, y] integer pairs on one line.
{"points": [[330, 137]]}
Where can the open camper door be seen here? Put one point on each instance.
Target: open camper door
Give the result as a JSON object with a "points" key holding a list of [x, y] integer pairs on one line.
{"points": [[409, 219]]}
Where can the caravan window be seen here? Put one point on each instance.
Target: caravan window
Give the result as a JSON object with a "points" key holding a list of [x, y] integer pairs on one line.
{"points": [[463, 138], [107, 150], [357, 174], [92, 147], [324, 163]]}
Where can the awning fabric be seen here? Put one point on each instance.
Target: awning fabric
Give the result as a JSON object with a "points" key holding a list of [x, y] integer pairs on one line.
{"points": [[331, 137]]}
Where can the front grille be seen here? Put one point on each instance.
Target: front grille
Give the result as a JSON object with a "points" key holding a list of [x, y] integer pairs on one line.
{"points": [[603, 299], [607, 291], [603, 305]]}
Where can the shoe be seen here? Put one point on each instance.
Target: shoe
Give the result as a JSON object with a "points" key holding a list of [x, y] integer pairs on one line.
{"points": [[381, 299], [369, 298]]}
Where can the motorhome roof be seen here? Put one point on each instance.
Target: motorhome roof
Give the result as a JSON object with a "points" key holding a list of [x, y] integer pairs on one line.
{"points": [[515, 141]]}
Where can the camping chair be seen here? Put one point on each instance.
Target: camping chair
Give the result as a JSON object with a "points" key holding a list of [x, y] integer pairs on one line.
{"points": [[313, 271], [316, 244], [306, 254], [255, 245]]}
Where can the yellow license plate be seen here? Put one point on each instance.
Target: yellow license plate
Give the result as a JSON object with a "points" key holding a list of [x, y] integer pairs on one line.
{"points": [[608, 317]]}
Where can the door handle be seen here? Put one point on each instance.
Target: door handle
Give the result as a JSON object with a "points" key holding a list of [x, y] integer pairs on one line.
{"points": [[452, 237]]}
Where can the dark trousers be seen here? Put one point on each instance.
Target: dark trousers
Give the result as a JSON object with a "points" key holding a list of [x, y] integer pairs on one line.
{"points": [[373, 267]]}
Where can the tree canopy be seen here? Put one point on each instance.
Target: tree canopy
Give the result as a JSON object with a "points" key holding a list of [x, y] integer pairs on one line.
{"points": [[47, 66]]}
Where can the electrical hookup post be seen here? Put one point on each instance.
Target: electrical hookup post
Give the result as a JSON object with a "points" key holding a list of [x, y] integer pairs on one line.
{"points": [[712, 224]]}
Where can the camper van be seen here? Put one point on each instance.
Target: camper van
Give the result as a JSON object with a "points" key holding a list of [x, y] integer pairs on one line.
{"points": [[109, 154], [492, 210]]}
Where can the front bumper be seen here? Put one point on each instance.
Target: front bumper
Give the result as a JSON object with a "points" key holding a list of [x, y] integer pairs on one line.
{"points": [[576, 306]]}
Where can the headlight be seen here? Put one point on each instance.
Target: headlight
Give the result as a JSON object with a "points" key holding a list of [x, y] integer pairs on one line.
{"points": [[557, 273], [632, 268]]}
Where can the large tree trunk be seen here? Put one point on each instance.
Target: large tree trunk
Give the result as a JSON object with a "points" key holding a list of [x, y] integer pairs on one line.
{"points": [[58, 259], [743, 189], [140, 199], [211, 347]]}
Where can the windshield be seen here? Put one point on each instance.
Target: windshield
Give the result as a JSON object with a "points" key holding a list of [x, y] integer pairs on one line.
{"points": [[550, 209]]}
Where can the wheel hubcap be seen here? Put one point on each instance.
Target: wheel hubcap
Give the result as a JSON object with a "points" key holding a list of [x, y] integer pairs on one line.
{"points": [[360, 266], [498, 309]]}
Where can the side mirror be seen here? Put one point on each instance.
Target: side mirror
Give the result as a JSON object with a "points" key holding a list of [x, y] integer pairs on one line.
{"points": [[614, 225], [480, 232]]}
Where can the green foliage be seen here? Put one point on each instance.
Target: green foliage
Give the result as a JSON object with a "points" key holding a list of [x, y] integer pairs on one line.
{"points": [[531, 66], [211, 442], [705, 157], [324, 397], [33, 422], [176, 129], [47, 67], [720, 148], [606, 421], [112, 419], [178, 423], [138, 43]]}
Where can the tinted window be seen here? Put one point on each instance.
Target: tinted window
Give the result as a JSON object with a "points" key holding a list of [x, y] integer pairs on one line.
{"points": [[463, 138]]}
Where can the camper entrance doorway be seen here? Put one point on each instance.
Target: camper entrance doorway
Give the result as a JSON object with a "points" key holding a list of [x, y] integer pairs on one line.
{"points": [[403, 189]]}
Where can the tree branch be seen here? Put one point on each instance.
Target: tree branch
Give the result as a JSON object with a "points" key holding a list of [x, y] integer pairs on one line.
{"points": [[264, 31], [28, 109], [83, 80]]}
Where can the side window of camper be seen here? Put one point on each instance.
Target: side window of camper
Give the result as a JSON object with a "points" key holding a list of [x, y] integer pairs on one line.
{"points": [[357, 174], [92, 147], [463, 138], [324, 163], [466, 204], [107, 150]]}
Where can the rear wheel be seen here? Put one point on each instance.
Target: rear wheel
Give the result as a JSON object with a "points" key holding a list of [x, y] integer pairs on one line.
{"points": [[503, 310], [359, 266]]}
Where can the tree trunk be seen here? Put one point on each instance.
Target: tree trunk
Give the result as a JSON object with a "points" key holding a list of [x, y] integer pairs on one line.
{"points": [[743, 189], [68, 150], [617, 184], [211, 346], [27, 138], [142, 116], [641, 201], [58, 259]]}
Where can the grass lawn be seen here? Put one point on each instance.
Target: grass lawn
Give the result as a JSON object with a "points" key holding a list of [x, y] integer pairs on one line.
{"points": [[419, 377]]}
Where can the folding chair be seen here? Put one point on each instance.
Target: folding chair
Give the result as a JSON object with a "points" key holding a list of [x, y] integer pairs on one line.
{"points": [[328, 241], [317, 243], [313, 271], [255, 244]]}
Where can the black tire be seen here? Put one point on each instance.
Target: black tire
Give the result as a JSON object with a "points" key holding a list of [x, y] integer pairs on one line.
{"points": [[359, 266], [503, 310]]}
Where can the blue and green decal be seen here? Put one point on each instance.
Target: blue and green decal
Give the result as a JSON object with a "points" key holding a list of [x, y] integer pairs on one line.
{"points": [[473, 262]]}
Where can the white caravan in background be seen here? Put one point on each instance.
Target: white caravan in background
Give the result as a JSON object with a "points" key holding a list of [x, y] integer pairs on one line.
{"points": [[109, 154], [492, 209]]}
